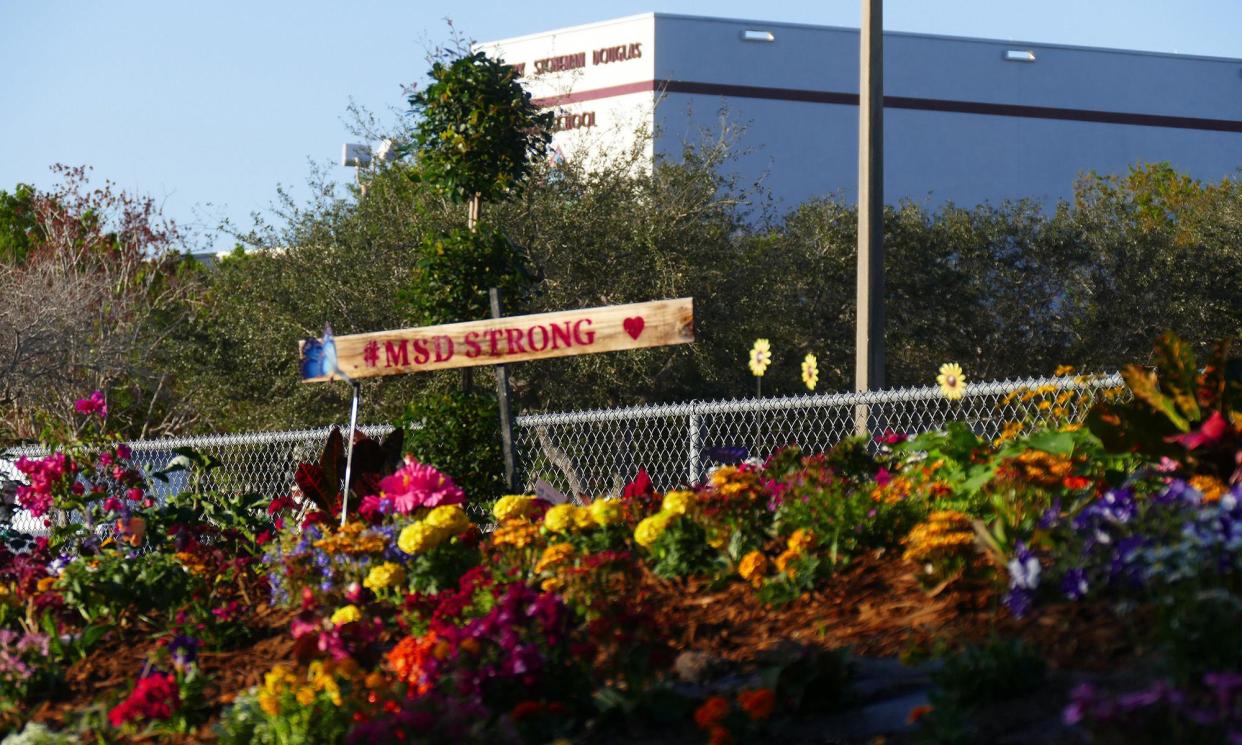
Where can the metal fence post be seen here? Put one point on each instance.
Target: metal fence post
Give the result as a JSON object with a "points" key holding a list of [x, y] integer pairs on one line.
{"points": [[695, 446]]}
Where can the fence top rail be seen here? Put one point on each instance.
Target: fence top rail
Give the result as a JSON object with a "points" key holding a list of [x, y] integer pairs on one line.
{"points": [[808, 401], [204, 441]]}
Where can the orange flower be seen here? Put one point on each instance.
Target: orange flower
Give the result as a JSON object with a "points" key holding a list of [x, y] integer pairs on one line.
{"points": [[918, 713], [758, 704], [709, 714]]}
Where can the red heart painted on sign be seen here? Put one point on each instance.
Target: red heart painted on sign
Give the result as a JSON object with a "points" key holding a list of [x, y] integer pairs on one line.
{"points": [[633, 326]]}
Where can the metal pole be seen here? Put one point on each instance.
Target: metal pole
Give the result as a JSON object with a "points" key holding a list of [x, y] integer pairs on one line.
{"points": [[869, 325], [694, 447], [349, 451], [506, 410]]}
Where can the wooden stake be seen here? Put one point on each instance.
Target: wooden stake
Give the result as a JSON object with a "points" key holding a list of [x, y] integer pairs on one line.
{"points": [[506, 412]]}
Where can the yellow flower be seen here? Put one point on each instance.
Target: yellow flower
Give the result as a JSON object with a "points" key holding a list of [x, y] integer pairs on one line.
{"points": [[419, 537], [801, 540], [677, 502], [951, 381], [560, 519], [513, 506], [752, 567], [306, 695], [449, 518], [810, 372], [582, 518], [651, 528], [1063, 370], [760, 357], [348, 614], [605, 512], [383, 576]]}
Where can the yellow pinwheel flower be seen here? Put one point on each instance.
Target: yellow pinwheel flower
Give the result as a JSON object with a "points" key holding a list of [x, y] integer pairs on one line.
{"points": [[810, 372], [951, 381], [760, 357]]}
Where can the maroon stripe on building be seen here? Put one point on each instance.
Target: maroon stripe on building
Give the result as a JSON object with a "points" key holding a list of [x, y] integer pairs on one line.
{"points": [[899, 102]]}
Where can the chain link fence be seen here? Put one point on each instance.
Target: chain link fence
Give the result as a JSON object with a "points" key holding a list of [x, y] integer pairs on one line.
{"points": [[596, 452], [252, 462]]}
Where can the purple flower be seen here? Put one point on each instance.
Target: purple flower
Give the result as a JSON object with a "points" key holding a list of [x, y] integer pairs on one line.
{"points": [[1051, 516], [1081, 700], [1074, 584], [1024, 569], [1019, 601]]}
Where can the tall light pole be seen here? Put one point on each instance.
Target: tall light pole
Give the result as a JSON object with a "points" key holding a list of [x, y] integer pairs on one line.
{"points": [[869, 323]]}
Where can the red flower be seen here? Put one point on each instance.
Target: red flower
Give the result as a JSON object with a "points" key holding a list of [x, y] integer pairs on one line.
{"points": [[155, 697], [709, 714], [758, 704]]}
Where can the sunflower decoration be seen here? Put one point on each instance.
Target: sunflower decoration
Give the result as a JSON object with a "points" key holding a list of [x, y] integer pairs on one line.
{"points": [[951, 381], [760, 358], [810, 372]]}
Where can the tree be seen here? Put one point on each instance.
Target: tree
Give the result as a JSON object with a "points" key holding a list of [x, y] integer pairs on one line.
{"points": [[95, 295], [477, 132]]}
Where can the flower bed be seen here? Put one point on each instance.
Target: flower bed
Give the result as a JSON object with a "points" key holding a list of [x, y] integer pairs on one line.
{"points": [[714, 612]]}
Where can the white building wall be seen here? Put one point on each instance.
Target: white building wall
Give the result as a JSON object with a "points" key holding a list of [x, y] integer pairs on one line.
{"points": [[962, 124]]}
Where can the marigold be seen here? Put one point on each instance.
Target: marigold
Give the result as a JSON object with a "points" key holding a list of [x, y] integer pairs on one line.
{"points": [[752, 567], [605, 512], [783, 562], [305, 695], [582, 518], [347, 614], [801, 541], [384, 576], [1210, 487], [651, 528], [677, 502], [758, 703], [711, 712], [513, 506], [560, 519], [554, 556], [515, 532], [418, 537], [450, 518]]}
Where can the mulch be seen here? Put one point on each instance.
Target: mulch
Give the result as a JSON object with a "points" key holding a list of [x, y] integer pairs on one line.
{"points": [[874, 607]]}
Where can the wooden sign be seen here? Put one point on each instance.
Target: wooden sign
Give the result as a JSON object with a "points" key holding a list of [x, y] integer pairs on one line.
{"points": [[501, 340]]}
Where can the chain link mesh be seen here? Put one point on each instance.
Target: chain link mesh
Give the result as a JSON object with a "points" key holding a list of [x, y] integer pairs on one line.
{"points": [[596, 452], [253, 462]]}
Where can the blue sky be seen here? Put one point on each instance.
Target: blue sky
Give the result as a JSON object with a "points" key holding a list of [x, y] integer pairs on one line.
{"points": [[209, 106]]}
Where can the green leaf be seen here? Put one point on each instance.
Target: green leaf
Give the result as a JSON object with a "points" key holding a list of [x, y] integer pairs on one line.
{"points": [[1057, 443]]}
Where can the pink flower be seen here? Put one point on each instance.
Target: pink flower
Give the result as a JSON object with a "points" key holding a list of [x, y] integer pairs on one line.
{"points": [[112, 504], [95, 404], [123, 452], [1212, 432], [133, 494], [418, 485]]}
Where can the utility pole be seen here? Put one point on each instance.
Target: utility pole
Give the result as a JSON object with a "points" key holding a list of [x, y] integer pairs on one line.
{"points": [[869, 322]]}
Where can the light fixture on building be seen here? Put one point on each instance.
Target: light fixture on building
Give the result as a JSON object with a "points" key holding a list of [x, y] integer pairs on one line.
{"points": [[753, 35], [1019, 55]]}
